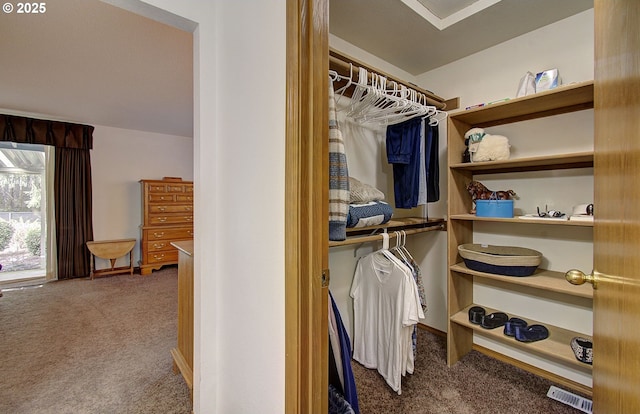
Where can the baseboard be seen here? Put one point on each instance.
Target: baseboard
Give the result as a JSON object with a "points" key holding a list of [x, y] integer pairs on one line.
{"points": [[576, 386], [434, 331]]}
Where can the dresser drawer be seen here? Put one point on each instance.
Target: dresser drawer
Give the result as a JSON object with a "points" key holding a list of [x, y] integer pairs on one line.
{"points": [[161, 197], [158, 246], [184, 198], [170, 208], [157, 188], [161, 257], [167, 234], [156, 219]]}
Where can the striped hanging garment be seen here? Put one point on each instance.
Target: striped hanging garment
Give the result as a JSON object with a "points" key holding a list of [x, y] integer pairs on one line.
{"points": [[338, 177]]}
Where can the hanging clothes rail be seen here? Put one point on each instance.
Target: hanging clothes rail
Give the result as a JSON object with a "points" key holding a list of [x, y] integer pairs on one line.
{"points": [[347, 66]]}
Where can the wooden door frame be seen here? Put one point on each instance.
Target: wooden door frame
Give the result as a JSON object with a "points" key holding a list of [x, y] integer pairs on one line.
{"points": [[306, 206]]}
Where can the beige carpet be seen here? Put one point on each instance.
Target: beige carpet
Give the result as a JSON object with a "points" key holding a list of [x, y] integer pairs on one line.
{"points": [[477, 384], [102, 346], [83, 346]]}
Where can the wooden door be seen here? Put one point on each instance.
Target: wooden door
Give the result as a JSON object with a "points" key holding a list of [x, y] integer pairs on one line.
{"points": [[307, 207], [616, 369]]}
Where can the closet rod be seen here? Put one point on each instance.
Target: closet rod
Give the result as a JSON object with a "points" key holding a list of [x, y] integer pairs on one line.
{"points": [[378, 237], [342, 63]]}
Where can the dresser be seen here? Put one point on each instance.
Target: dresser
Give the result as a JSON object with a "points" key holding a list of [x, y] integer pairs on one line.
{"points": [[167, 216]]}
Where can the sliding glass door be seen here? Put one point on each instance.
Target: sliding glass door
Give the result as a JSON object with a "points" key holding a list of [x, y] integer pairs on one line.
{"points": [[23, 205]]}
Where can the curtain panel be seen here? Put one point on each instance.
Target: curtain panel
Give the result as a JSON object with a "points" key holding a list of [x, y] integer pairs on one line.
{"points": [[72, 184]]}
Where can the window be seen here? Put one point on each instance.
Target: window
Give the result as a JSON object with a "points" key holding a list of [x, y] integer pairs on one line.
{"points": [[22, 211]]}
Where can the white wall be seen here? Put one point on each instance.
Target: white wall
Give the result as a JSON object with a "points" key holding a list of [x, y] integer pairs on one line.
{"points": [[494, 73], [119, 159], [239, 92]]}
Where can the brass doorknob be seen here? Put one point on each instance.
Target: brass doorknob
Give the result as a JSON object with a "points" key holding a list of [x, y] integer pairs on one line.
{"points": [[577, 277]]}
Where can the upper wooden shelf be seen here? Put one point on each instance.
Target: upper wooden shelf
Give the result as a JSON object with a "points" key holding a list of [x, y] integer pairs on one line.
{"points": [[517, 219], [547, 162], [564, 99]]}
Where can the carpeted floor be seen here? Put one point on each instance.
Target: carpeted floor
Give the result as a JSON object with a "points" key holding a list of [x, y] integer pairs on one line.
{"points": [[83, 346], [477, 384], [103, 347]]}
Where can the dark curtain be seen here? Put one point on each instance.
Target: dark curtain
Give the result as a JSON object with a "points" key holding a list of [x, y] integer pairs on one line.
{"points": [[72, 184]]}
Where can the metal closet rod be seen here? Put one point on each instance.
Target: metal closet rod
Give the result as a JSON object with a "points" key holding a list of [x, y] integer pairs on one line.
{"points": [[342, 64]]}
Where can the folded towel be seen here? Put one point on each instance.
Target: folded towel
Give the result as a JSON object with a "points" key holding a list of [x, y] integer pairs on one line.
{"points": [[369, 214]]}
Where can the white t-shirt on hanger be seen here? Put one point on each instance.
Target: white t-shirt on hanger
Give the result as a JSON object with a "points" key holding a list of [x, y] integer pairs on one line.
{"points": [[386, 307]]}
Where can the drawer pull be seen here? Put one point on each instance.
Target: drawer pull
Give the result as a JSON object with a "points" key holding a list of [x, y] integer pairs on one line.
{"points": [[158, 235], [189, 218], [162, 209], [162, 219], [158, 256], [158, 245]]}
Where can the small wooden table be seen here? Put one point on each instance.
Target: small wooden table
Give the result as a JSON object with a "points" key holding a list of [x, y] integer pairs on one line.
{"points": [[111, 250], [183, 353]]}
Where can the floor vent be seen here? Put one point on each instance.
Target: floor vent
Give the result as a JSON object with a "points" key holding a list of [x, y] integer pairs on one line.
{"points": [[571, 399]]}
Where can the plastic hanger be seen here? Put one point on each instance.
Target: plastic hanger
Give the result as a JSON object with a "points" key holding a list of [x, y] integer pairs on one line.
{"points": [[341, 91]]}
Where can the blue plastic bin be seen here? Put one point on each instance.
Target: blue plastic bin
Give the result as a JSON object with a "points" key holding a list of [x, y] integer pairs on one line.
{"points": [[494, 208]]}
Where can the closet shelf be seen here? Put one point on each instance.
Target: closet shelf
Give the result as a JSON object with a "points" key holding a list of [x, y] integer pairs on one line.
{"points": [[516, 219], [542, 279], [561, 100], [556, 346], [410, 225], [548, 162]]}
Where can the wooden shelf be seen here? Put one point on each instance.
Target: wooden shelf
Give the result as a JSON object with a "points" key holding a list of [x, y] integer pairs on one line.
{"points": [[410, 225], [460, 282], [556, 346], [543, 279], [564, 99], [516, 219], [549, 162]]}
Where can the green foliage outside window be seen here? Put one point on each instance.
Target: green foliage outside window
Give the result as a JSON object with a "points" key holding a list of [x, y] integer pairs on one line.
{"points": [[32, 240], [6, 233]]}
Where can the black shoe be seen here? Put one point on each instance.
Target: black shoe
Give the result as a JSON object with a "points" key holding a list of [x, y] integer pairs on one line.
{"points": [[494, 320], [476, 313], [511, 324], [532, 333]]}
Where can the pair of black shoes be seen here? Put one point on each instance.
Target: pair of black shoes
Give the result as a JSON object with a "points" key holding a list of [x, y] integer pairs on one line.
{"points": [[514, 327]]}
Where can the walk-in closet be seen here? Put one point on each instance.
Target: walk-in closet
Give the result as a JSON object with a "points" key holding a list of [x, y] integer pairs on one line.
{"points": [[550, 168]]}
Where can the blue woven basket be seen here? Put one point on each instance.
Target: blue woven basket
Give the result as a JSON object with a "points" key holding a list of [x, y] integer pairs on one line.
{"points": [[501, 260]]}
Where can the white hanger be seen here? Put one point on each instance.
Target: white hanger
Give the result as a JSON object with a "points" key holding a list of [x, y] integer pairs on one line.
{"points": [[340, 91], [385, 241]]}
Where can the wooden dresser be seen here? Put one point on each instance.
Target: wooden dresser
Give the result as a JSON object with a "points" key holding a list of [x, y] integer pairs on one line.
{"points": [[167, 216]]}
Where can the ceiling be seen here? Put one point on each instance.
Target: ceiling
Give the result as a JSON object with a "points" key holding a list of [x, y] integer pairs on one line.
{"points": [[90, 62], [400, 35]]}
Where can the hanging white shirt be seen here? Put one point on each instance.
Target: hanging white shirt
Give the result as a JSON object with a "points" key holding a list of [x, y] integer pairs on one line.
{"points": [[386, 307]]}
